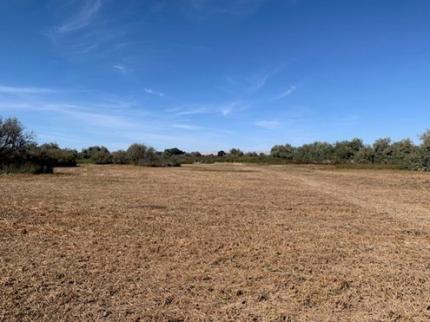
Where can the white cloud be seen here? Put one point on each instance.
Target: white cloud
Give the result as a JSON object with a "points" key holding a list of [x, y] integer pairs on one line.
{"points": [[287, 92], [192, 111], [25, 90], [269, 125], [120, 68], [153, 92], [186, 127], [226, 109], [83, 18]]}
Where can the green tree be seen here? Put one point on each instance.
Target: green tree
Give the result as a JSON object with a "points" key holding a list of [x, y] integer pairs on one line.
{"points": [[136, 152], [236, 152], [283, 151], [383, 151], [344, 151], [406, 154], [221, 153], [13, 139], [173, 151], [119, 157], [366, 155]]}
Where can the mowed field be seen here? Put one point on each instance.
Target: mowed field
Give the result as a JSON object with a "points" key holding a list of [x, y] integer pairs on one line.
{"points": [[223, 242]]}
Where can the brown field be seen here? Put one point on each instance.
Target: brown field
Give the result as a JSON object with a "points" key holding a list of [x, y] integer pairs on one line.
{"points": [[215, 242]]}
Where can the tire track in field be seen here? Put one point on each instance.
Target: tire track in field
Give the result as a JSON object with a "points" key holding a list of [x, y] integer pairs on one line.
{"points": [[377, 199]]}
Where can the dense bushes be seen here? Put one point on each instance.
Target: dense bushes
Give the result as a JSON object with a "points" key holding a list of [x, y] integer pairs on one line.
{"points": [[19, 152], [383, 152], [60, 157], [402, 154], [120, 157], [96, 154], [139, 154]]}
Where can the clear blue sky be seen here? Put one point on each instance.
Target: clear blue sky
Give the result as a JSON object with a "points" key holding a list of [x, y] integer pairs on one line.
{"points": [[208, 75]]}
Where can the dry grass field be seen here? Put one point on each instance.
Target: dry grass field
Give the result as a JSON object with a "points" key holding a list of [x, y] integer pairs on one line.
{"points": [[215, 243]]}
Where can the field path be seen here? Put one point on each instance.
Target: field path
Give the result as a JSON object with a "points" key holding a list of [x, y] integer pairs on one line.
{"points": [[373, 193]]}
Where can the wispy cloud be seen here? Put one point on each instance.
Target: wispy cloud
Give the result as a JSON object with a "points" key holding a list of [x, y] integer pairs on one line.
{"points": [[187, 127], [120, 68], [269, 125], [251, 84], [190, 111], [286, 93], [82, 18], [226, 109], [71, 110], [154, 92], [99, 119], [25, 90]]}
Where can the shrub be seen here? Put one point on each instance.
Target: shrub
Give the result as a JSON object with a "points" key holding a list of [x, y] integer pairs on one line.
{"points": [[364, 156], [383, 151], [221, 154], [344, 151], [96, 154], [136, 153], [236, 152], [283, 151], [60, 157], [120, 157], [18, 152], [173, 151]]}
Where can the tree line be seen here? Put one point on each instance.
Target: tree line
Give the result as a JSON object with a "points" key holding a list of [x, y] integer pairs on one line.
{"points": [[20, 153]]}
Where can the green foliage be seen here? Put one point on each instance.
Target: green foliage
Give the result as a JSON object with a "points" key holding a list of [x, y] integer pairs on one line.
{"points": [[383, 150], [19, 153], [120, 157], [317, 152], [236, 152], [173, 151], [96, 154], [345, 151], [13, 140], [221, 154], [60, 157], [139, 154], [366, 155], [286, 151], [136, 153]]}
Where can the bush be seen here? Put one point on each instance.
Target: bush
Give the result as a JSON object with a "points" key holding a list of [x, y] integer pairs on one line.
{"points": [[18, 152], [221, 154], [96, 154], [173, 151], [139, 154], [119, 157], [286, 151], [60, 157], [136, 153]]}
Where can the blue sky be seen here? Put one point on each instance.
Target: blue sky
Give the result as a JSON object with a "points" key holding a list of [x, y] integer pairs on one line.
{"points": [[213, 74]]}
